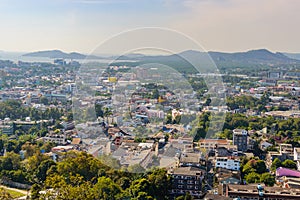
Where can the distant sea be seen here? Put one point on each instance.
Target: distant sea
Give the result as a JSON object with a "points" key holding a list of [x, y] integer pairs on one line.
{"points": [[18, 56]]}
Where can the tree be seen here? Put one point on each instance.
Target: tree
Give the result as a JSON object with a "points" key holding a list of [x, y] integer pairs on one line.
{"points": [[275, 164], [34, 191], [252, 178], [249, 167], [139, 187], [187, 196], [99, 111], [289, 164], [260, 166], [76, 188], [124, 182], [11, 161], [41, 171], [155, 93], [257, 166], [160, 183], [105, 188], [44, 100], [29, 149], [268, 179], [80, 163]]}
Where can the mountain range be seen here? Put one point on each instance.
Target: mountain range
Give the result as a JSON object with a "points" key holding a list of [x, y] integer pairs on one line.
{"points": [[252, 57]]}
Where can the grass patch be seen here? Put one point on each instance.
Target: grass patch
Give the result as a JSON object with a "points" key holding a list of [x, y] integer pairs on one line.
{"points": [[13, 194]]}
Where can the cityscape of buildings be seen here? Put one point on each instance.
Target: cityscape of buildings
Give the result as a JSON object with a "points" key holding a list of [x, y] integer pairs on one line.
{"points": [[123, 116]]}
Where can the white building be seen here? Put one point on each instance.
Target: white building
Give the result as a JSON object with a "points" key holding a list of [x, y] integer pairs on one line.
{"points": [[296, 153], [156, 113], [230, 163]]}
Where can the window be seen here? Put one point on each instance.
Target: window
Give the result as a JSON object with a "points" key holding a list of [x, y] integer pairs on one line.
{"points": [[190, 187]]}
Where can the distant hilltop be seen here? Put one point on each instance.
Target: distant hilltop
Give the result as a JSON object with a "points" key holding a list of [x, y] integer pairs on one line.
{"points": [[60, 54]]}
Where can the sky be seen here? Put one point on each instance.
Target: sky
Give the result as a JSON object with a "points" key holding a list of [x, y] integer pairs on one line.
{"points": [[82, 25]]}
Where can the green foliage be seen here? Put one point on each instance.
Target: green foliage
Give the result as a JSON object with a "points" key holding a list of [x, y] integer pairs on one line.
{"points": [[5, 195], [275, 164], [268, 179], [160, 183], [15, 110], [41, 172], [34, 191], [82, 163], [252, 177], [200, 126], [105, 188], [187, 196], [289, 164], [11, 161], [257, 166]]}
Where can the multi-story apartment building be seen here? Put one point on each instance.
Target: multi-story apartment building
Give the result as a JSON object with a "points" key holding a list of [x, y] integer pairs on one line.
{"points": [[240, 139], [187, 180], [231, 163]]}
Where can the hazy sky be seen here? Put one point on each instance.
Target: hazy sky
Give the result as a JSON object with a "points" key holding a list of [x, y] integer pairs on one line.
{"points": [[81, 25]]}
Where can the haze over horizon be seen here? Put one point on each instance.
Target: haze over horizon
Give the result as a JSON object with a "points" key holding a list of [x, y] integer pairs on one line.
{"points": [[81, 25]]}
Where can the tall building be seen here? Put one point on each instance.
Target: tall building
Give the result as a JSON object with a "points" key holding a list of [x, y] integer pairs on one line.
{"points": [[240, 139], [187, 180]]}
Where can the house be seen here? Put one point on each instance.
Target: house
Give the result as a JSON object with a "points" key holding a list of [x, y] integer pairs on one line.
{"points": [[190, 159], [68, 125], [289, 182], [230, 180], [286, 148], [55, 138], [225, 176], [287, 172], [211, 144], [280, 155], [288, 178], [222, 152], [264, 145], [62, 148], [76, 141]]}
